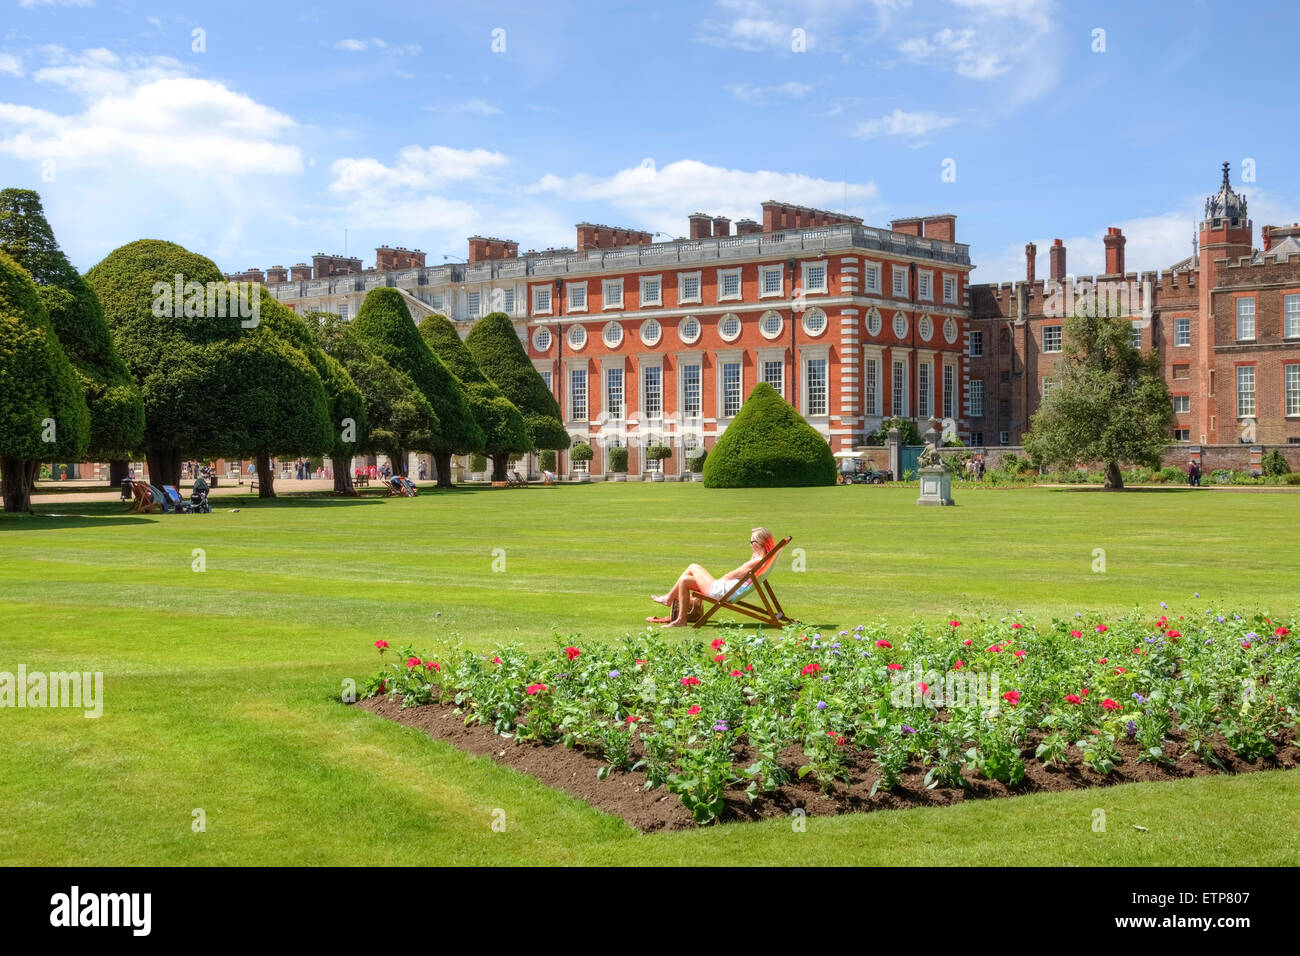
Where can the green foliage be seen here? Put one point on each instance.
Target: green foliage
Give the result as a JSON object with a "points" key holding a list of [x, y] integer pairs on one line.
{"points": [[908, 434], [618, 460], [37, 381], [769, 445], [659, 453], [504, 430], [582, 452], [500, 355], [697, 459], [1274, 464], [546, 460], [398, 416], [477, 462], [386, 324], [1109, 403]]}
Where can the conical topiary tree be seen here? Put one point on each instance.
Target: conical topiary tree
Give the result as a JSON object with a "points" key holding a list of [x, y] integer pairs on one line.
{"points": [[386, 324], [43, 414], [116, 408], [769, 445], [504, 431], [496, 348]]}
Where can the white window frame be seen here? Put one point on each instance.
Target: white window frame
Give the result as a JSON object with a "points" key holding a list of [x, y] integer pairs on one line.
{"points": [[693, 361], [604, 335], [1291, 390], [723, 295], [740, 327], [771, 356], [1059, 337], [1135, 333], [658, 301], [808, 329], [808, 287], [577, 346], [435, 300], [682, 297], [682, 326], [898, 275], [763, 273], [541, 292], [976, 346], [871, 397], [925, 328], [1241, 316], [572, 304], [508, 304], [1182, 404], [950, 278], [806, 358], [925, 284], [924, 388], [646, 368], [1182, 434], [762, 325], [1004, 438], [474, 303], [658, 335], [572, 392], [898, 387], [873, 316], [895, 323], [948, 389], [977, 398], [871, 277], [538, 333], [1246, 398], [723, 360], [1188, 321], [1290, 317], [614, 412], [608, 289]]}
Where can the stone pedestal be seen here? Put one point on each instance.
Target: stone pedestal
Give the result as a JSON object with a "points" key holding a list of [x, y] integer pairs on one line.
{"points": [[936, 486]]}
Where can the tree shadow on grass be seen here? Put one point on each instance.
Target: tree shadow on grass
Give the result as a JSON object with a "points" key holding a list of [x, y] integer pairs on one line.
{"points": [[64, 520]]}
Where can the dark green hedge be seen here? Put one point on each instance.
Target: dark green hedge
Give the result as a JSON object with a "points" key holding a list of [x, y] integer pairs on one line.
{"points": [[498, 352], [769, 445]]}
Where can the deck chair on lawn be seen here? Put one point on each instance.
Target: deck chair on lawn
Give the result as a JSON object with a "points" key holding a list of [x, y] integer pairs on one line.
{"points": [[769, 610], [516, 481]]}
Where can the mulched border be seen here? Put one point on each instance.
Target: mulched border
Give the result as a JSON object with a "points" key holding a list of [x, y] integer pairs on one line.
{"points": [[623, 794]]}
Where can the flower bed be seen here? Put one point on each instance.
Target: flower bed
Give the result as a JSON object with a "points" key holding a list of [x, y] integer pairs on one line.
{"points": [[872, 716]]}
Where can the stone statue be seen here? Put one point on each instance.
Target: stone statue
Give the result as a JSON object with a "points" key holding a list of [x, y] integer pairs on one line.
{"points": [[930, 456]]}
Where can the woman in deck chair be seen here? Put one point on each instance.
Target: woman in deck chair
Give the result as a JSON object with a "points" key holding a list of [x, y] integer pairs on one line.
{"points": [[696, 578]]}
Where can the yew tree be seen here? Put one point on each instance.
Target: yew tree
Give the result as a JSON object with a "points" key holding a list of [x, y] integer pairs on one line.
{"points": [[496, 348]]}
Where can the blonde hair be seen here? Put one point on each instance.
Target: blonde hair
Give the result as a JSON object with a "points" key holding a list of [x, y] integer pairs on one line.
{"points": [[764, 537]]}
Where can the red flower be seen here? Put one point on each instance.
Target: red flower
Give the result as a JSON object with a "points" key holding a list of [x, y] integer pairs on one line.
{"points": [[1102, 661], [1076, 633], [1084, 692], [1245, 645], [428, 664], [995, 649], [1172, 634], [691, 681], [1111, 705], [1017, 626], [1120, 670], [718, 642], [1162, 622], [966, 642], [749, 667], [693, 709], [534, 689], [496, 660], [1137, 650], [1073, 699], [1282, 631], [1102, 628], [954, 623], [572, 652], [1012, 697], [412, 662], [640, 662], [735, 673], [811, 669], [719, 658], [1020, 653], [381, 644], [959, 665], [885, 644], [383, 688], [925, 688], [632, 719], [894, 666]]}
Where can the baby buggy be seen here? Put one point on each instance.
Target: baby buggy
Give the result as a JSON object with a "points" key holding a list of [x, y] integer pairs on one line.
{"points": [[199, 500]]}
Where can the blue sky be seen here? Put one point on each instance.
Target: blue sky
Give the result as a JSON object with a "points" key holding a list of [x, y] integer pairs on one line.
{"points": [[259, 139]]}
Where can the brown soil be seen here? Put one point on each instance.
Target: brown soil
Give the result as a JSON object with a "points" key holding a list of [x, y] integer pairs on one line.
{"points": [[623, 794]]}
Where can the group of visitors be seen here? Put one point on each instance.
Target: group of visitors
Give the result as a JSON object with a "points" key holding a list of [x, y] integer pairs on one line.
{"points": [[974, 468], [303, 471], [1194, 475]]}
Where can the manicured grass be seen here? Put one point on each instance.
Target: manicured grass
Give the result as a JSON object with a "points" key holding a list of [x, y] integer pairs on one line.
{"points": [[218, 684]]}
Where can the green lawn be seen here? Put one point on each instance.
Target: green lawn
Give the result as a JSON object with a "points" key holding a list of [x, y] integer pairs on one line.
{"points": [[218, 685]]}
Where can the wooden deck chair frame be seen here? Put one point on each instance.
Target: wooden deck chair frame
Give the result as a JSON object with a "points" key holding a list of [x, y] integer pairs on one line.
{"points": [[770, 612]]}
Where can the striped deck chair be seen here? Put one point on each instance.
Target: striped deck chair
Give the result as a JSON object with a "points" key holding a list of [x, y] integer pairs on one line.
{"points": [[754, 583]]}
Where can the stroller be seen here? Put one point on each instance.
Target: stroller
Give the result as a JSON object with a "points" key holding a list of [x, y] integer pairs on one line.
{"points": [[199, 500]]}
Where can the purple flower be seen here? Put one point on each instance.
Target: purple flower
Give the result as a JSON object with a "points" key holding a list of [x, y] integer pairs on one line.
{"points": [[908, 730], [1252, 636], [1196, 594], [1164, 605], [835, 645], [613, 674], [842, 633], [1221, 619], [826, 677], [721, 727], [1131, 728], [1139, 698], [1077, 614], [438, 614], [1208, 642], [821, 705]]}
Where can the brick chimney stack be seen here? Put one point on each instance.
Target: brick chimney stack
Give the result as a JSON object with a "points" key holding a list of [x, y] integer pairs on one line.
{"points": [[746, 227], [1031, 253], [721, 226], [701, 225], [1114, 242], [1056, 260]]}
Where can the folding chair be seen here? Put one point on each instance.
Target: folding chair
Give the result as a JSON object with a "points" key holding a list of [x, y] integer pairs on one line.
{"points": [[516, 481], [769, 613]]}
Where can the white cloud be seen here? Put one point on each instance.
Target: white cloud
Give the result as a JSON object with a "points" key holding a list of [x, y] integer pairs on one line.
{"points": [[416, 168], [11, 64], [353, 45], [476, 106], [660, 198], [908, 126], [753, 93], [959, 48]]}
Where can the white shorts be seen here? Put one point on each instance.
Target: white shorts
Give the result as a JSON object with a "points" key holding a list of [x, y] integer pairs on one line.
{"points": [[719, 587]]}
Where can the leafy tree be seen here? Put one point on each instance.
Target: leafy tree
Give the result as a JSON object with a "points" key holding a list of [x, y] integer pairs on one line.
{"points": [[503, 427], [1274, 464], [1107, 402], [43, 414], [386, 324], [116, 409], [213, 384], [397, 413], [769, 445], [908, 433], [496, 348], [347, 407]]}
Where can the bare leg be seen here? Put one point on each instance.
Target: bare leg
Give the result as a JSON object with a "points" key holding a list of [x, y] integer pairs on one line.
{"points": [[702, 581]]}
